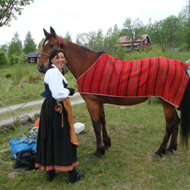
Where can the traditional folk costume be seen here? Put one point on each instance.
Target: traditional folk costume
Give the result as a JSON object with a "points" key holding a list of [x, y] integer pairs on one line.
{"points": [[57, 141]]}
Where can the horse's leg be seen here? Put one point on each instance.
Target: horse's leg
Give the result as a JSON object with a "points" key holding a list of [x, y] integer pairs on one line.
{"points": [[173, 143], [106, 138], [169, 111], [92, 104]]}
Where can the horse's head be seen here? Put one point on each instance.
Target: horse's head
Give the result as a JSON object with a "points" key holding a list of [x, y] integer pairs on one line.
{"points": [[51, 41]]}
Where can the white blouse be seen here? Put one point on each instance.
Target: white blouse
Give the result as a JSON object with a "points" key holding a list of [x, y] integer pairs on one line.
{"points": [[54, 79]]}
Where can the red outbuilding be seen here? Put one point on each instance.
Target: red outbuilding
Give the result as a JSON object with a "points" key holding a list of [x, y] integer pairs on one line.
{"points": [[126, 42], [33, 57]]}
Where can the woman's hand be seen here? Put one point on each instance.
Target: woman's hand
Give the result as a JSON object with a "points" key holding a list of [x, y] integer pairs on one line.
{"points": [[71, 90]]}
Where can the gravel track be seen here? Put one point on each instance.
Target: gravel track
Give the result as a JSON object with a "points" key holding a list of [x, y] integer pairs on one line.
{"points": [[31, 114]]}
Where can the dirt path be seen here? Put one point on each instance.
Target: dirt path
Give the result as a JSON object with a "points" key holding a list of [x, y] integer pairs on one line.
{"points": [[31, 114]]}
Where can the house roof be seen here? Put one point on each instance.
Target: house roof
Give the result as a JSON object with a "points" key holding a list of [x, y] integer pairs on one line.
{"points": [[125, 39], [127, 44], [33, 54]]}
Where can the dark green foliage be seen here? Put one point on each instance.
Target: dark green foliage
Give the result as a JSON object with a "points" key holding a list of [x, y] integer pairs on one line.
{"points": [[29, 44], [23, 59], [15, 46], [8, 75], [110, 40], [3, 58], [121, 53], [13, 60], [4, 48], [10, 9], [19, 73], [40, 44], [68, 36]]}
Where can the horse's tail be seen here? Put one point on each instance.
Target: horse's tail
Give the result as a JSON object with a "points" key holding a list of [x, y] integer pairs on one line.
{"points": [[185, 116]]}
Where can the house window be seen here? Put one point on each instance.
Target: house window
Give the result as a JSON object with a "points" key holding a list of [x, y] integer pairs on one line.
{"points": [[145, 41], [31, 60]]}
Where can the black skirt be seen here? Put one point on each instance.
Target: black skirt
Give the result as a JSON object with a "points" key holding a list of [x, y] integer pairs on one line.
{"points": [[54, 148]]}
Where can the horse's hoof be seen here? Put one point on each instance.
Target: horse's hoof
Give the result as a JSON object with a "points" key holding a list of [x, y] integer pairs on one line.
{"points": [[168, 153], [156, 156], [96, 157]]}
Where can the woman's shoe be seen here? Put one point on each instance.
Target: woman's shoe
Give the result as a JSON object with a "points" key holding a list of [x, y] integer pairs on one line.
{"points": [[50, 175], [71, 179]]}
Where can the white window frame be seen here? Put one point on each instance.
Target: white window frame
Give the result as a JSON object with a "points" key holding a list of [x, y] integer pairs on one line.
{"points": [[32, 60], [145, 40]]}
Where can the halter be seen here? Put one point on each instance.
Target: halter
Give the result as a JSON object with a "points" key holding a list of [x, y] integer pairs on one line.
{"points": [[60, 42], [45, 54]]}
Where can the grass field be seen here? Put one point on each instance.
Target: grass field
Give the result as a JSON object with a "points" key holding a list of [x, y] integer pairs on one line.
{"points": [[25, 84], [128, 164]]}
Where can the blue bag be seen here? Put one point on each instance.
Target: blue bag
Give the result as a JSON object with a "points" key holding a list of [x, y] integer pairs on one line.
{"points": [[20, 144]]}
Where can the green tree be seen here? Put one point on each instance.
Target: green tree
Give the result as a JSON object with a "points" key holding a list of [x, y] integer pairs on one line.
{"points": [[4, 48], [3, 58], [10, 9], [171, 29], [15, 46], [86, 39], [121, 53], [185, 18], [41, 44], [68, 36], [132, 30], [29, 44], [187, 33], [115, 29], [99, 41], [110, 40], [157, 33]]}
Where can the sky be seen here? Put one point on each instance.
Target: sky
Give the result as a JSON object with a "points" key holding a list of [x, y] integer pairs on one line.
{"points": [[78, 16]]}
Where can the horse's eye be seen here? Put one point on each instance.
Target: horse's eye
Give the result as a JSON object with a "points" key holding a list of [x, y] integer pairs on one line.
{"points": [[51, 45]]}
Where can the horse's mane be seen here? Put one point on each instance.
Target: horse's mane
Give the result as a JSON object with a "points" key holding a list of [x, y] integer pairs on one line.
{"points": [[100, 52], [47, 38]]}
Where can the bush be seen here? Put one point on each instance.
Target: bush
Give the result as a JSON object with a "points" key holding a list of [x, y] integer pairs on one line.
{"points": [[120, 53], [3, 58], [13, 60], [23, 59], [8, 75], [18, 74]]}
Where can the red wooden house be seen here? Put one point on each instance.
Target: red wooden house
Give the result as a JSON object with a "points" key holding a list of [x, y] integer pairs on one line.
{"points": [[126, 43], [33, 57]]}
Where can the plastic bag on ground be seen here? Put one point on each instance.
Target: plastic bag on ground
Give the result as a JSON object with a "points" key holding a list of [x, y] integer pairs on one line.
{"points": [[20, 144], [25, 160]]}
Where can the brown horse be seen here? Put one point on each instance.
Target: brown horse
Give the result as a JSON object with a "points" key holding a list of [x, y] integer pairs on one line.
{"points": [[79, 60]]}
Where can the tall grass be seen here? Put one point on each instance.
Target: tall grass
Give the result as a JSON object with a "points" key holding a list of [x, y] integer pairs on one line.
{"points": [[25, 83]]}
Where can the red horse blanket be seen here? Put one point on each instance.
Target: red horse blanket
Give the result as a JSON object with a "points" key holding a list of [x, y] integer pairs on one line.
{"points": [[158, 76]]}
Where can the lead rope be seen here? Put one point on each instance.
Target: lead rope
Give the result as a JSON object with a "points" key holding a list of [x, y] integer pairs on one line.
{"points": [[13, 111], [45, 54]]}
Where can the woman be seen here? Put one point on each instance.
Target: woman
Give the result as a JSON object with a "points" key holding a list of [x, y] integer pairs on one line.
{"points": [[57, 141]]}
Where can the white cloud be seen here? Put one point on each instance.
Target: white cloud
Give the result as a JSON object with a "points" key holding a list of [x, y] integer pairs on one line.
{"points": [[84, 16]]}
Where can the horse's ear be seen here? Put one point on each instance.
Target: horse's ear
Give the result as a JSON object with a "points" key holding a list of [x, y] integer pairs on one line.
{"points": [[45, 32], [52, 31]]}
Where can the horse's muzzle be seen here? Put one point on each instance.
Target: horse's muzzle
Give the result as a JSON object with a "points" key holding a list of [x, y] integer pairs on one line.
{"points": [[42, 68]]}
